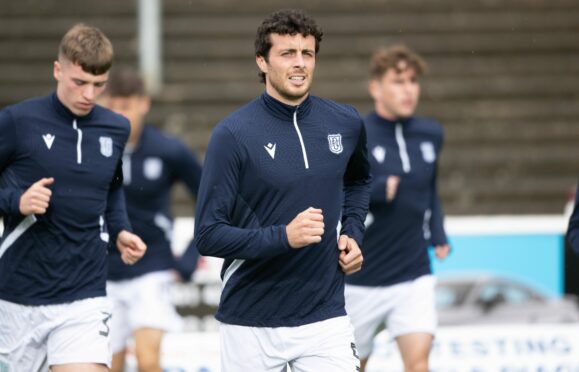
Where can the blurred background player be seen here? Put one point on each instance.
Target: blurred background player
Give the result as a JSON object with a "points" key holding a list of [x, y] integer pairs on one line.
{"points": [[396, 286], [152, 163], [62, 201]]}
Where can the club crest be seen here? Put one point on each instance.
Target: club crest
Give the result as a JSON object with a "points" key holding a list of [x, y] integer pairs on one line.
{"points": [[152, 168], [335, 143], [428, 152], [106, 146]]}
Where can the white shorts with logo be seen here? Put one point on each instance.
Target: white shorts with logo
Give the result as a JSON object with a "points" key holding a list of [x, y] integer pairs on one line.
{"points": [[326, 346], [35, 337], [404, 308], [142, 302]]}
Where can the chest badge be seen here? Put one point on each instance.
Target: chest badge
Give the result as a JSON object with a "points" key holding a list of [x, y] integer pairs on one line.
{"points": [[428, 152], [335, 143], [270, 149], [106, 146], [152, 168], [379, 153], [48, 139]]}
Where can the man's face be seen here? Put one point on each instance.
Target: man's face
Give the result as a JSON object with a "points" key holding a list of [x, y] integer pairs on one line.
{"points": [[133, 108], [396, 94], [76, 88], [289, 70]]}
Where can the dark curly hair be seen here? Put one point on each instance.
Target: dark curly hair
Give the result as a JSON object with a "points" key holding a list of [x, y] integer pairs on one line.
{"points": [[285, 22]]}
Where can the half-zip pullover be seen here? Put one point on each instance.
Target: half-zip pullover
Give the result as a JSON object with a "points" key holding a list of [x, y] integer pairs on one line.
{"points": [[266, 163], [399, 233], [150, 170], [59, 256]]}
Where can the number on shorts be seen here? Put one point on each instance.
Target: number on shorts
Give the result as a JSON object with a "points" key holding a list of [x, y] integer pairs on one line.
{"points": [[105, 321]]}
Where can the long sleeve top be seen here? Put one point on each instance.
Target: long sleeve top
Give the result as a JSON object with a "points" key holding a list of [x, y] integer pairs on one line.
{"points": [[59, 256], [266, 163], [400, 231], [150, 170]]}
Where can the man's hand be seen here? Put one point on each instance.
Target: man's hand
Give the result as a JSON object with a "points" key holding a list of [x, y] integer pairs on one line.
{"points": [[36, 198], [441, 251], [350, 255], [306, 228], [132, 248], [392, 187]]}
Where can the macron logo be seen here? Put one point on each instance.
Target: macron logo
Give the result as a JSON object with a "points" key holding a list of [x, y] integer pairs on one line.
{"points": [[48, 139], [270, 149]]}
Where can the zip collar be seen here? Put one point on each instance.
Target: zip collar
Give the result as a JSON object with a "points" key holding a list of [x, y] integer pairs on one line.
{"points": [[284, 111], [387, 123], [65, 112]]}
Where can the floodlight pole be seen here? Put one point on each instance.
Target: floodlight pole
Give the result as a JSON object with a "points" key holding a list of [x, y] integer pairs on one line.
{"points": [[150, 61]]}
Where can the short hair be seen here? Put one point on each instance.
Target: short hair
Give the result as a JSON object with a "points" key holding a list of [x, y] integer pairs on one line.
{"points": [[285, 22], [389, 58], [88, 47], [125, 82]]}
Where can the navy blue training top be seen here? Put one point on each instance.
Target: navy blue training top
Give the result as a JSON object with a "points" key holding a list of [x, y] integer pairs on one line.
{"points": [[266, 163], [59, 256], [399, 232], [150, 170]]}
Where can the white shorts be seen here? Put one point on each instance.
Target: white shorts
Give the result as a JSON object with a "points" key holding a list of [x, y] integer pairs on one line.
{"points": [[404, 308], [326, 346], [142, 302], [35, 337]]}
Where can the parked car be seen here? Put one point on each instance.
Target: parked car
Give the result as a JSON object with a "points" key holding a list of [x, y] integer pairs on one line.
{"points": [[480, 299]]}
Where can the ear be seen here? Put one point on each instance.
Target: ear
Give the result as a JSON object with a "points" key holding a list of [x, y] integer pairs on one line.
{"points": [[374, 88], [57, 70], [261, 63]]}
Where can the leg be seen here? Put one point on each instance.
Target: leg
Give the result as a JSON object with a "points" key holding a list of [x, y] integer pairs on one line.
{"points": [[414, 350], [363, 363], [148, 349], [79, 367], [118, 364]]}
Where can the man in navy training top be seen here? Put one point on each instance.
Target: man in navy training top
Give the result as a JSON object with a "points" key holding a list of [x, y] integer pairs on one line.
{"points": [[62, 201], [152, 163], [573, 229], [279, 174], [396, 286]]}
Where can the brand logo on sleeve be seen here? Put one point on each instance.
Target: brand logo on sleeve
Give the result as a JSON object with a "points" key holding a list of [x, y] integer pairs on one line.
{"points": [[48, 139], [106, 146], [270, 148], [335, 142]]}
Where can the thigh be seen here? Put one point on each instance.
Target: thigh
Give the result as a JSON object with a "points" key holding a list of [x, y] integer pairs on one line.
{"points": [[415, 308], [414, 350], [82, 335], [367, 308], [331, 347], [251, 349], [120, 329], [23, 337]]}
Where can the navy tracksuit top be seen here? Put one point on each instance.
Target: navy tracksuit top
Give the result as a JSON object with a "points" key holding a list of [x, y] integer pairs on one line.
{"points": [[399, 232], [59, 256], [573, 229], [150, 170], [266, 163]]}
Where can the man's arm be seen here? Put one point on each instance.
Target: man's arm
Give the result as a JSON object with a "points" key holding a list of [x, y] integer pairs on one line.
{"points": [[130, 245], [9, 196], [357, 184], [215, 234], [573, 229]]}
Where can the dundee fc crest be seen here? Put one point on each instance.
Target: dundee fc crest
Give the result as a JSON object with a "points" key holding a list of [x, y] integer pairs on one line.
{"points": [[106, 146], [335, 142]]}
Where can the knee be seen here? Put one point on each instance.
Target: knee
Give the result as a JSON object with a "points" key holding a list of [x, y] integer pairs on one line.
{"points": [[148, 363], [420, 365]]}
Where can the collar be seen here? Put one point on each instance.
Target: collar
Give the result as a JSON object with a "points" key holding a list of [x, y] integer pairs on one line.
{"points": [[284, 111], [64, 111], [374, 117]]}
